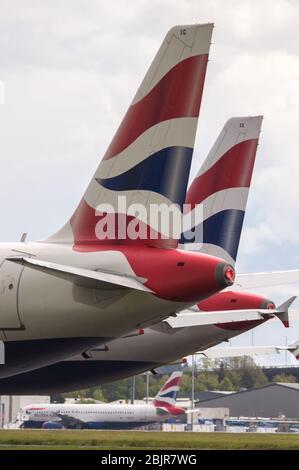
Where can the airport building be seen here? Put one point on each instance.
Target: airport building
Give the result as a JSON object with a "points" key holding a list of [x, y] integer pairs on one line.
{"points": [[270, 401]]}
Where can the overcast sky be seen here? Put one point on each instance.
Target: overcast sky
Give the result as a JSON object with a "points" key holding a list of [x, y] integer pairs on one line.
{"points": [[71, 68]]}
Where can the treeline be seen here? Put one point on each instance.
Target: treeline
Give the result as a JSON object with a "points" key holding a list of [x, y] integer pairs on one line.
{"points": [[226, 375]]}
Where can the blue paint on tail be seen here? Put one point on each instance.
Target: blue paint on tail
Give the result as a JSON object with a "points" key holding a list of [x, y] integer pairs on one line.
{"points": [[172, 394], [222, 229], [157, 173]]}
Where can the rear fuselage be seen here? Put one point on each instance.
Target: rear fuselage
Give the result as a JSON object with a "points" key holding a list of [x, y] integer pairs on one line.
{"points": [[45, 318]]}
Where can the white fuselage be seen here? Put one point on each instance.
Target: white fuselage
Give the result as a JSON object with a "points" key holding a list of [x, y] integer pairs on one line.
{"points": [[39, 305], [118, 413]]}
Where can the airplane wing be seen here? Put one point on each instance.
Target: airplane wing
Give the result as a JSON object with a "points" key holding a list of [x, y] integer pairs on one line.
{"points": [[81, 275], [274, 278], [215, 352], [69, 421], [193, 410]]}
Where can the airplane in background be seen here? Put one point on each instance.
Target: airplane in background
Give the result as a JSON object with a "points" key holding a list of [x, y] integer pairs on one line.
{"points": [[76, 290], [222, 186], [106, 416]]}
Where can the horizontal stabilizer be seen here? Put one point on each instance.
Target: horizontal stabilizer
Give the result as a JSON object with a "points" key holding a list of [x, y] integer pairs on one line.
{"points": [[193, 410], [215, 353], [274, 278], [185, 320], [80, 275]]}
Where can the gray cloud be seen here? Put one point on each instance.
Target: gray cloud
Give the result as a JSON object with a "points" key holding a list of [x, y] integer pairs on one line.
{"points": [[71, 69]]}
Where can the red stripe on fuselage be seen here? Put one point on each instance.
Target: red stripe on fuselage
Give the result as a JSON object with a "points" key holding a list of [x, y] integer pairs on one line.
{"points": [[178, 94], [36, 409], [233, 170]]}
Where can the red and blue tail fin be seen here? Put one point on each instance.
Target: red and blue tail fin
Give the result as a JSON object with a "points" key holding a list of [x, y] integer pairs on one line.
{"points": [[167, 395], [222, 187], [148, 161]]}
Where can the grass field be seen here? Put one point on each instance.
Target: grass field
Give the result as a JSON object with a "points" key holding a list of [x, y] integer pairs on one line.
{"points": [[61, 439]]}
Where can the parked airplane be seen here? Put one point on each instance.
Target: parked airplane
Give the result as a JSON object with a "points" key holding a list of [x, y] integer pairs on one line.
{"points": [[85, 286], [106, 416], [221, 317]]}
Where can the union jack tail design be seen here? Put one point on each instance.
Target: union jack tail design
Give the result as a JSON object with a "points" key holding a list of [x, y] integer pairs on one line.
{"points": [[166, 397], [222, 187], [149, 158]]}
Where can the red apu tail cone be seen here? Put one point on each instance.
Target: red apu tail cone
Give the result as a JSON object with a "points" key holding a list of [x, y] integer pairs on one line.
{"points": [[180, 275]]}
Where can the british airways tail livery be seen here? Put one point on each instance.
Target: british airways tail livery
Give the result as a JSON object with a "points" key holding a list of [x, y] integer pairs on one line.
{"points": [[148, 160], [222, 186], [167, 396]]}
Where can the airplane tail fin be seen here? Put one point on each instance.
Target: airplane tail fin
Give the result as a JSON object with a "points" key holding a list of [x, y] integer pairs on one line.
{"points": [[167, 395], [148, 160], [222, 187]]}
